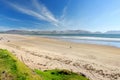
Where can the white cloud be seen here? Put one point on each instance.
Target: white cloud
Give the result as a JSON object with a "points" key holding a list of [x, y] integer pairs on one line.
{"points": [[4, 28], [12, 19], [65, 10], [27, 11], [64, 13], [42, 12], [3, 17]]}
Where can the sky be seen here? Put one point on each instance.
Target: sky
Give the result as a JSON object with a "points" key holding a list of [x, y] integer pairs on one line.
{"points": [[92, 15]]}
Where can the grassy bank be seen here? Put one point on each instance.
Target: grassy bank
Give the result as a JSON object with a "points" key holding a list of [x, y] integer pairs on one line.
{"points": [[59, 75], [12, 69]]}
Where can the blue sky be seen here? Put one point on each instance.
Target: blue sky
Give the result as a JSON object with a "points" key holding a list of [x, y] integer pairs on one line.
{"points": [[92, 15]]}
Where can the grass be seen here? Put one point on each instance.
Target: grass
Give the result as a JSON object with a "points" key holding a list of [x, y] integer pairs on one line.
{"points": [[57, 74], [12, 69]]}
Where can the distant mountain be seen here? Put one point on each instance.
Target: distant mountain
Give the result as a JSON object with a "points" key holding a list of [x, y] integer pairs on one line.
{"points": [[16, 31], [48, 32], [57, 32], [97, 32], [74, 32], [112, 32]]}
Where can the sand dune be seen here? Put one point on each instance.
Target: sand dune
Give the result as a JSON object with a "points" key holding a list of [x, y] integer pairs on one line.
{"points": [[95, 61]]}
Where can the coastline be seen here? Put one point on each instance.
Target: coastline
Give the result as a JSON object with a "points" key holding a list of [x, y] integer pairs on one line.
{"points": [[95, 61], [115, 42]]}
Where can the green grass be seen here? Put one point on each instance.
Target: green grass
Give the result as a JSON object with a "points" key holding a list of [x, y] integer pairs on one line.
{"points": [[12, 69], [57, 74]]}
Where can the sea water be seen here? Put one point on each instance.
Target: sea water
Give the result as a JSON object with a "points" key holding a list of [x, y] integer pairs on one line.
{"points": [[101, 39]]}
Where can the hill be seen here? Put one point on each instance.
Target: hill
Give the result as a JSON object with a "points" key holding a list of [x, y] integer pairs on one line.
{"points": [[47, 32]]}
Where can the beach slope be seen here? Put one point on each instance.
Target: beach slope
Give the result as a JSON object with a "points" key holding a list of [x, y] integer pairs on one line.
{"points": [[97, 62]]}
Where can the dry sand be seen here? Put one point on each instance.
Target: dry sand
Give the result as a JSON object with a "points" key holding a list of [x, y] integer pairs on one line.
{"points": [[95, 61]]}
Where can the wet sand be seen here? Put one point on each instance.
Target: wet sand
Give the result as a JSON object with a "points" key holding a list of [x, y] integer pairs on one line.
{"points": [[97, 62]]}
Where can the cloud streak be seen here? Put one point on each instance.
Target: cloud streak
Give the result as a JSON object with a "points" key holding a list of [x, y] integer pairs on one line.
{"points": [[5, 28], [8, 18], [40, 12], [65, 10]]}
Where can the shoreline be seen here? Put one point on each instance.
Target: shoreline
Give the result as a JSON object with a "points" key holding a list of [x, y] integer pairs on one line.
{"points": [[95, 61], [62, 40], [114, 42]]}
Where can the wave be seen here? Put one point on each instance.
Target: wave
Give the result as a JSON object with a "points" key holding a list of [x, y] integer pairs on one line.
{"points": [[87, 38], [90, 40]]}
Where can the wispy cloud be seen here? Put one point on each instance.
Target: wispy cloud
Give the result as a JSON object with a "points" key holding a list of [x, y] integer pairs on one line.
{"points": [[44, 11], [12, 19], [8, 18], [41, 12], [4, 28], [65, 10], [64, 13]]}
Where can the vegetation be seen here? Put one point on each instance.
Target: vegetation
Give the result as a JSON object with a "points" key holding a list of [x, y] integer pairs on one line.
{"points": [[59, 75], [12, 69]]}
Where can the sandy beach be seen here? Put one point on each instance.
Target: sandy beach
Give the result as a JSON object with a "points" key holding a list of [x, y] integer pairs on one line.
{"points": [[97, 62]]}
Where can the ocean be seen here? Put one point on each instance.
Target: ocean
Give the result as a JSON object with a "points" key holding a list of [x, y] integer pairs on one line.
{"points": [[101, 39]]}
